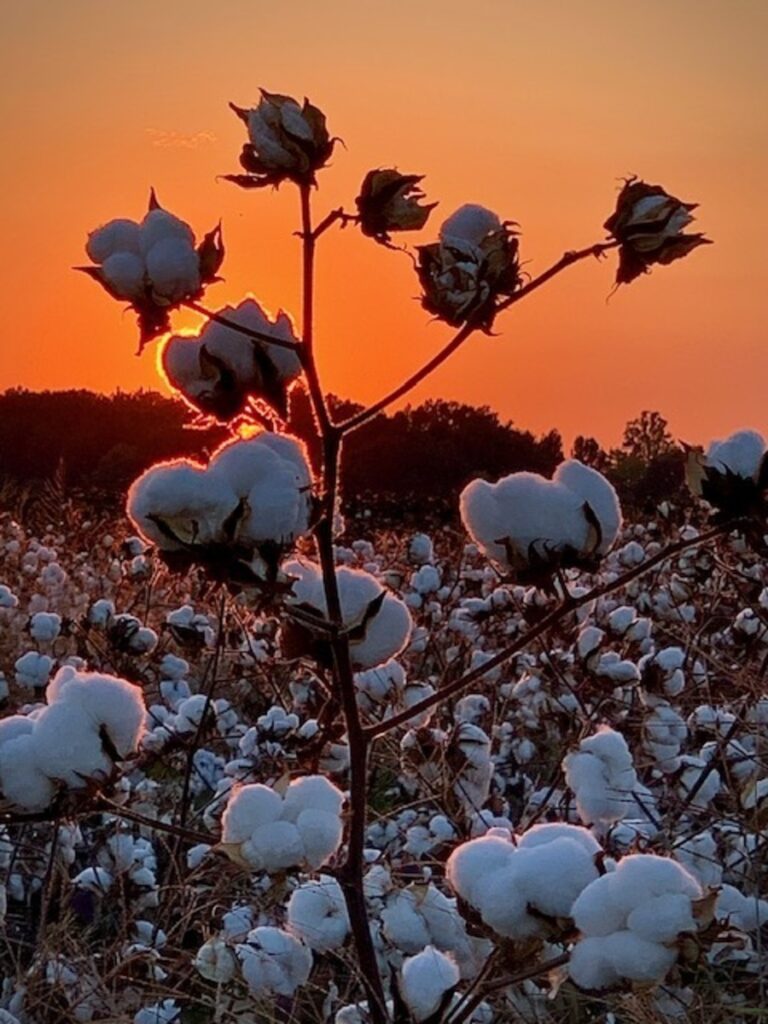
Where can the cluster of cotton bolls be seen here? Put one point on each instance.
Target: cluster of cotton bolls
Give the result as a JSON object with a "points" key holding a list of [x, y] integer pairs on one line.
{"points": [[241, 511], [89, 723]]}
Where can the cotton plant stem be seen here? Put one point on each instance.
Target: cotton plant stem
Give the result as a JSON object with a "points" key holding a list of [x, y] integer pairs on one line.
{"points": [[567, 260], [554, 617], [350, 874]]}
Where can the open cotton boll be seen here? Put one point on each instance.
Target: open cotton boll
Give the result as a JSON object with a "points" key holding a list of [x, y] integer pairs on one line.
{"points": [[321, 833], [248, 808], [317, 914], [173, 268], [272, 960], [68, 747], [107, 702], [470, 862], [119, 235], [21, 779], [45, 626], [159, 225], [602, 776], [426, 979], [175, 504], [311, 792], [274, 847], [741, 454], [126, 274], [471, 224], [527, 512], [33, 670], [593, 488]]}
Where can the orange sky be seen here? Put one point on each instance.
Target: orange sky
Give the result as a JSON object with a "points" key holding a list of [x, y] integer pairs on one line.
{"points": [[534, 109]]}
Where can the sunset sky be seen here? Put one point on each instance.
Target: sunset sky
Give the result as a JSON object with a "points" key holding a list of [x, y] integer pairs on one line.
{"points": [[534, 109]]}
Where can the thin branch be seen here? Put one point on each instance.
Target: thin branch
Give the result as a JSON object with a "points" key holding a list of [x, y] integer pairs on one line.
{"points": [[466, 331], [556, 616]]}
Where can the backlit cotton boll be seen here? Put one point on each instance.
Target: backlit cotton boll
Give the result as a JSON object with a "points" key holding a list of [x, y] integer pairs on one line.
{"points": [[602, 776], [219, 370], [264, 831], [629, 920], [529, 524], [377, 623], [732, 475], [317, 914], [288, 141], [471, 267], [649, 225], [154, 265], [426, 980]]}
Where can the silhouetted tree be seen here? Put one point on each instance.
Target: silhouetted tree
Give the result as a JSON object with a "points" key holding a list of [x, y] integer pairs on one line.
{"points": [[647, 437], [588, 451]]}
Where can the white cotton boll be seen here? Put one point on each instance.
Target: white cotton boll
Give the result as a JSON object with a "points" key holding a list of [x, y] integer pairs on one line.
{"points": [[593, 488], [420, 549], [159, 225], [45, 627], [125, 273], [166, 1012], [320, 833], [662, 918], [555, 874], [21, 780], [7, 598], [403, 925], [191, 504], [237, 922], [173, 268], [95, 879], [741, 454], [101, 612], [317, 914], [595, 912], [107, 702], [735, 908], [470, 224], [216, 962], [68, 746], [425, 980], [277, 510], [638, 959], [475, 860], [248, 808], [274, 847], [590, 966], [311, 792], [33, 670], [173, 667], [274, 961], [120, 235]]}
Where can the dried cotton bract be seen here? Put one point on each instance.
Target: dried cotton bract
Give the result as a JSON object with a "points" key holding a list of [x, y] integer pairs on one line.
{"points": [[154, 265], [264, 831], [220, 369], [732, 476], [390, 201], [532, 525]]}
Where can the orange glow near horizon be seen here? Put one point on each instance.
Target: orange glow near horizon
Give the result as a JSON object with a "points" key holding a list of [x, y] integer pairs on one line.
{"points": [[535, 110]]}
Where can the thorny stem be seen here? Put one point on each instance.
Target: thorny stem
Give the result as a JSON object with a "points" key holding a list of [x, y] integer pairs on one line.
{"points": [[350, 874], [556, 616], [466, 331]]}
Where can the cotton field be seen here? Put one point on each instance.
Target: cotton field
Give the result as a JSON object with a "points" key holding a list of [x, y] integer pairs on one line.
{"points": [[578, 832]]}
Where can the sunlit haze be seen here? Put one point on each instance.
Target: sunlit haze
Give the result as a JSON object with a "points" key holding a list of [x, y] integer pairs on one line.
{"points": [[536, 110]]}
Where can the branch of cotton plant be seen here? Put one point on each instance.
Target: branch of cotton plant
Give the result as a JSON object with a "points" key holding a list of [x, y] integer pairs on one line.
{"points": [[552, 619], [331, 219], [466, 1009], [350, 875], [234, 326], [469, 328]]}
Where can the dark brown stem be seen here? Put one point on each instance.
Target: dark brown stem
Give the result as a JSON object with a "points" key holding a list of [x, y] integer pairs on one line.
{"points": [[467, 1009], [465, 332], [552, 619], [249, 332], [350, 874]]}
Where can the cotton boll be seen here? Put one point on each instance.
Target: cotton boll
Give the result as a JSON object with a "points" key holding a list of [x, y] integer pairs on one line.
{"points": [[470, 224], [320, 833], [191, 507], [33, 670], [216, 962], [21, 780], [640, 876], [639, 959], [45, 627], [590, 966], [592, 487], [317, 914], [311, 792], [555, 874], [602, 776], [274, 847], [475, 860], [249, 807], [120, 235], [107, 702], [426, 979], [159, 225], [68, 747], [403, 925], [386, 635], [740, 454], [547, 832], [126, 275], [662, 918], [173, 268], [273, 961], [595, 913]]}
